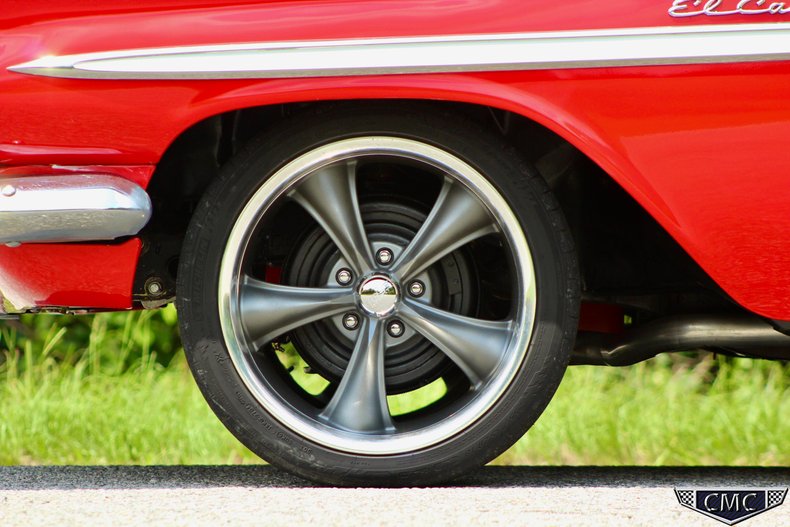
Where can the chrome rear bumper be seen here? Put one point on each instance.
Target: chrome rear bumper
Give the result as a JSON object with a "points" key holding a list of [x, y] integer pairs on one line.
{"points": [[71, 208]]}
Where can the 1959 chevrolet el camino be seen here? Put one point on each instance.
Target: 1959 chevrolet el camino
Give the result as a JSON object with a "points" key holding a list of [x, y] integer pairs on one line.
{"points": [[353, 199]]}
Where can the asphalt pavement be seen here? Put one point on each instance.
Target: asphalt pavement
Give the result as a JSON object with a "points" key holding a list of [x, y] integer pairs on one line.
{"points": [[262, 495]]}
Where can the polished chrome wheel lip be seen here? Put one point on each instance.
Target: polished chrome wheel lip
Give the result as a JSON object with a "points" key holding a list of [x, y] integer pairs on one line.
{"points": [[276, 187]]}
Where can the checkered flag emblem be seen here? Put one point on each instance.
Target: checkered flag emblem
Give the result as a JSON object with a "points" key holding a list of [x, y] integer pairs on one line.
{"points": [[776, 497], [686, 497]]}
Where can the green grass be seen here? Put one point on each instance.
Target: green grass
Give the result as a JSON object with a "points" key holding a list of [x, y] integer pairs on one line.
{"points": [[115, 389], [667, 411], [64, 405]]}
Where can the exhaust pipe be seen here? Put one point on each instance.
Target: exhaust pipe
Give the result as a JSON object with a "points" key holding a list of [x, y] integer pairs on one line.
{"points": [[739, 334], [70, 208]]}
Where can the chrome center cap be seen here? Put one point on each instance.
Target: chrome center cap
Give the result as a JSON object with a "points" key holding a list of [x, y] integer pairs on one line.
{"points": [[378, 295]]}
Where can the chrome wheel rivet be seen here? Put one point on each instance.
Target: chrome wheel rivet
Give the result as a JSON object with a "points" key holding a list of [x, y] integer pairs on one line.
{"points": [[350, 321], [396, 328], [344, 276], [416, 288], [384, 256]]}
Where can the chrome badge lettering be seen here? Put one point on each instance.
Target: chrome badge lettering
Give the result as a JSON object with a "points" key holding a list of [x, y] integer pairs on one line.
{"points": [[687, 8]]}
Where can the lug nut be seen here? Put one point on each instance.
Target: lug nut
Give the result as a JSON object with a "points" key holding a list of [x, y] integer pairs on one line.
{"points": [[344, 276], [396, 328], [416, 288], [350, 321], [384, 256]]}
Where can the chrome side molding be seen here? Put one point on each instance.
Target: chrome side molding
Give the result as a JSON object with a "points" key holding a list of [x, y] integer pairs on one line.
{"points": [[540, 50], [70, 208]]}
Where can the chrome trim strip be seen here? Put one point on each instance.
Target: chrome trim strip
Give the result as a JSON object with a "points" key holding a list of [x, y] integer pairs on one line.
{"points": [[85, 207], [466, 53]]}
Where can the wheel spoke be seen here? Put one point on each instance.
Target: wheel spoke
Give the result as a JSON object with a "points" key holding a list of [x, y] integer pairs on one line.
{"points": [[457, 218], [330, 196], [268, 310], [476, 346], [360, 402]]}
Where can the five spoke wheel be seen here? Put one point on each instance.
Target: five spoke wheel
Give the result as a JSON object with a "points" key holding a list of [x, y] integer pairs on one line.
{"points": [[378, 294]]}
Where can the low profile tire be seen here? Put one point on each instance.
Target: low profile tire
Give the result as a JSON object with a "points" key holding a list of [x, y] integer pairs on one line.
{"points": [[385, 296]]}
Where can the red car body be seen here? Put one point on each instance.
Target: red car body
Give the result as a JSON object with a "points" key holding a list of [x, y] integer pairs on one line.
{"points": [[353, 199], [702, 147]]}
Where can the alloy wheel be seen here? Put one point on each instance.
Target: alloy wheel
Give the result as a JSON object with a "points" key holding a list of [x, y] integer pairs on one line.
{"points": [[378, 291]]}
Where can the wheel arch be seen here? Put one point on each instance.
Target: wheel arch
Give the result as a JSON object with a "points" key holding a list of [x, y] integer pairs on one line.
{"points": [[544, 133]]}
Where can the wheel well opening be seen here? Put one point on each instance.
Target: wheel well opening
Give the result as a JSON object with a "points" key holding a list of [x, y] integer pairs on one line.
{"points": [[626, 258]]}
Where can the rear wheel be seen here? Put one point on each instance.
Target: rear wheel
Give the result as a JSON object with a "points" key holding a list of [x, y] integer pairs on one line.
{"points": [[371, 299]]}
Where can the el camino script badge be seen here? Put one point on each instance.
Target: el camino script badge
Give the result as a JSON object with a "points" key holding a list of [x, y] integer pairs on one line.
{"points": [[686, 8]]}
